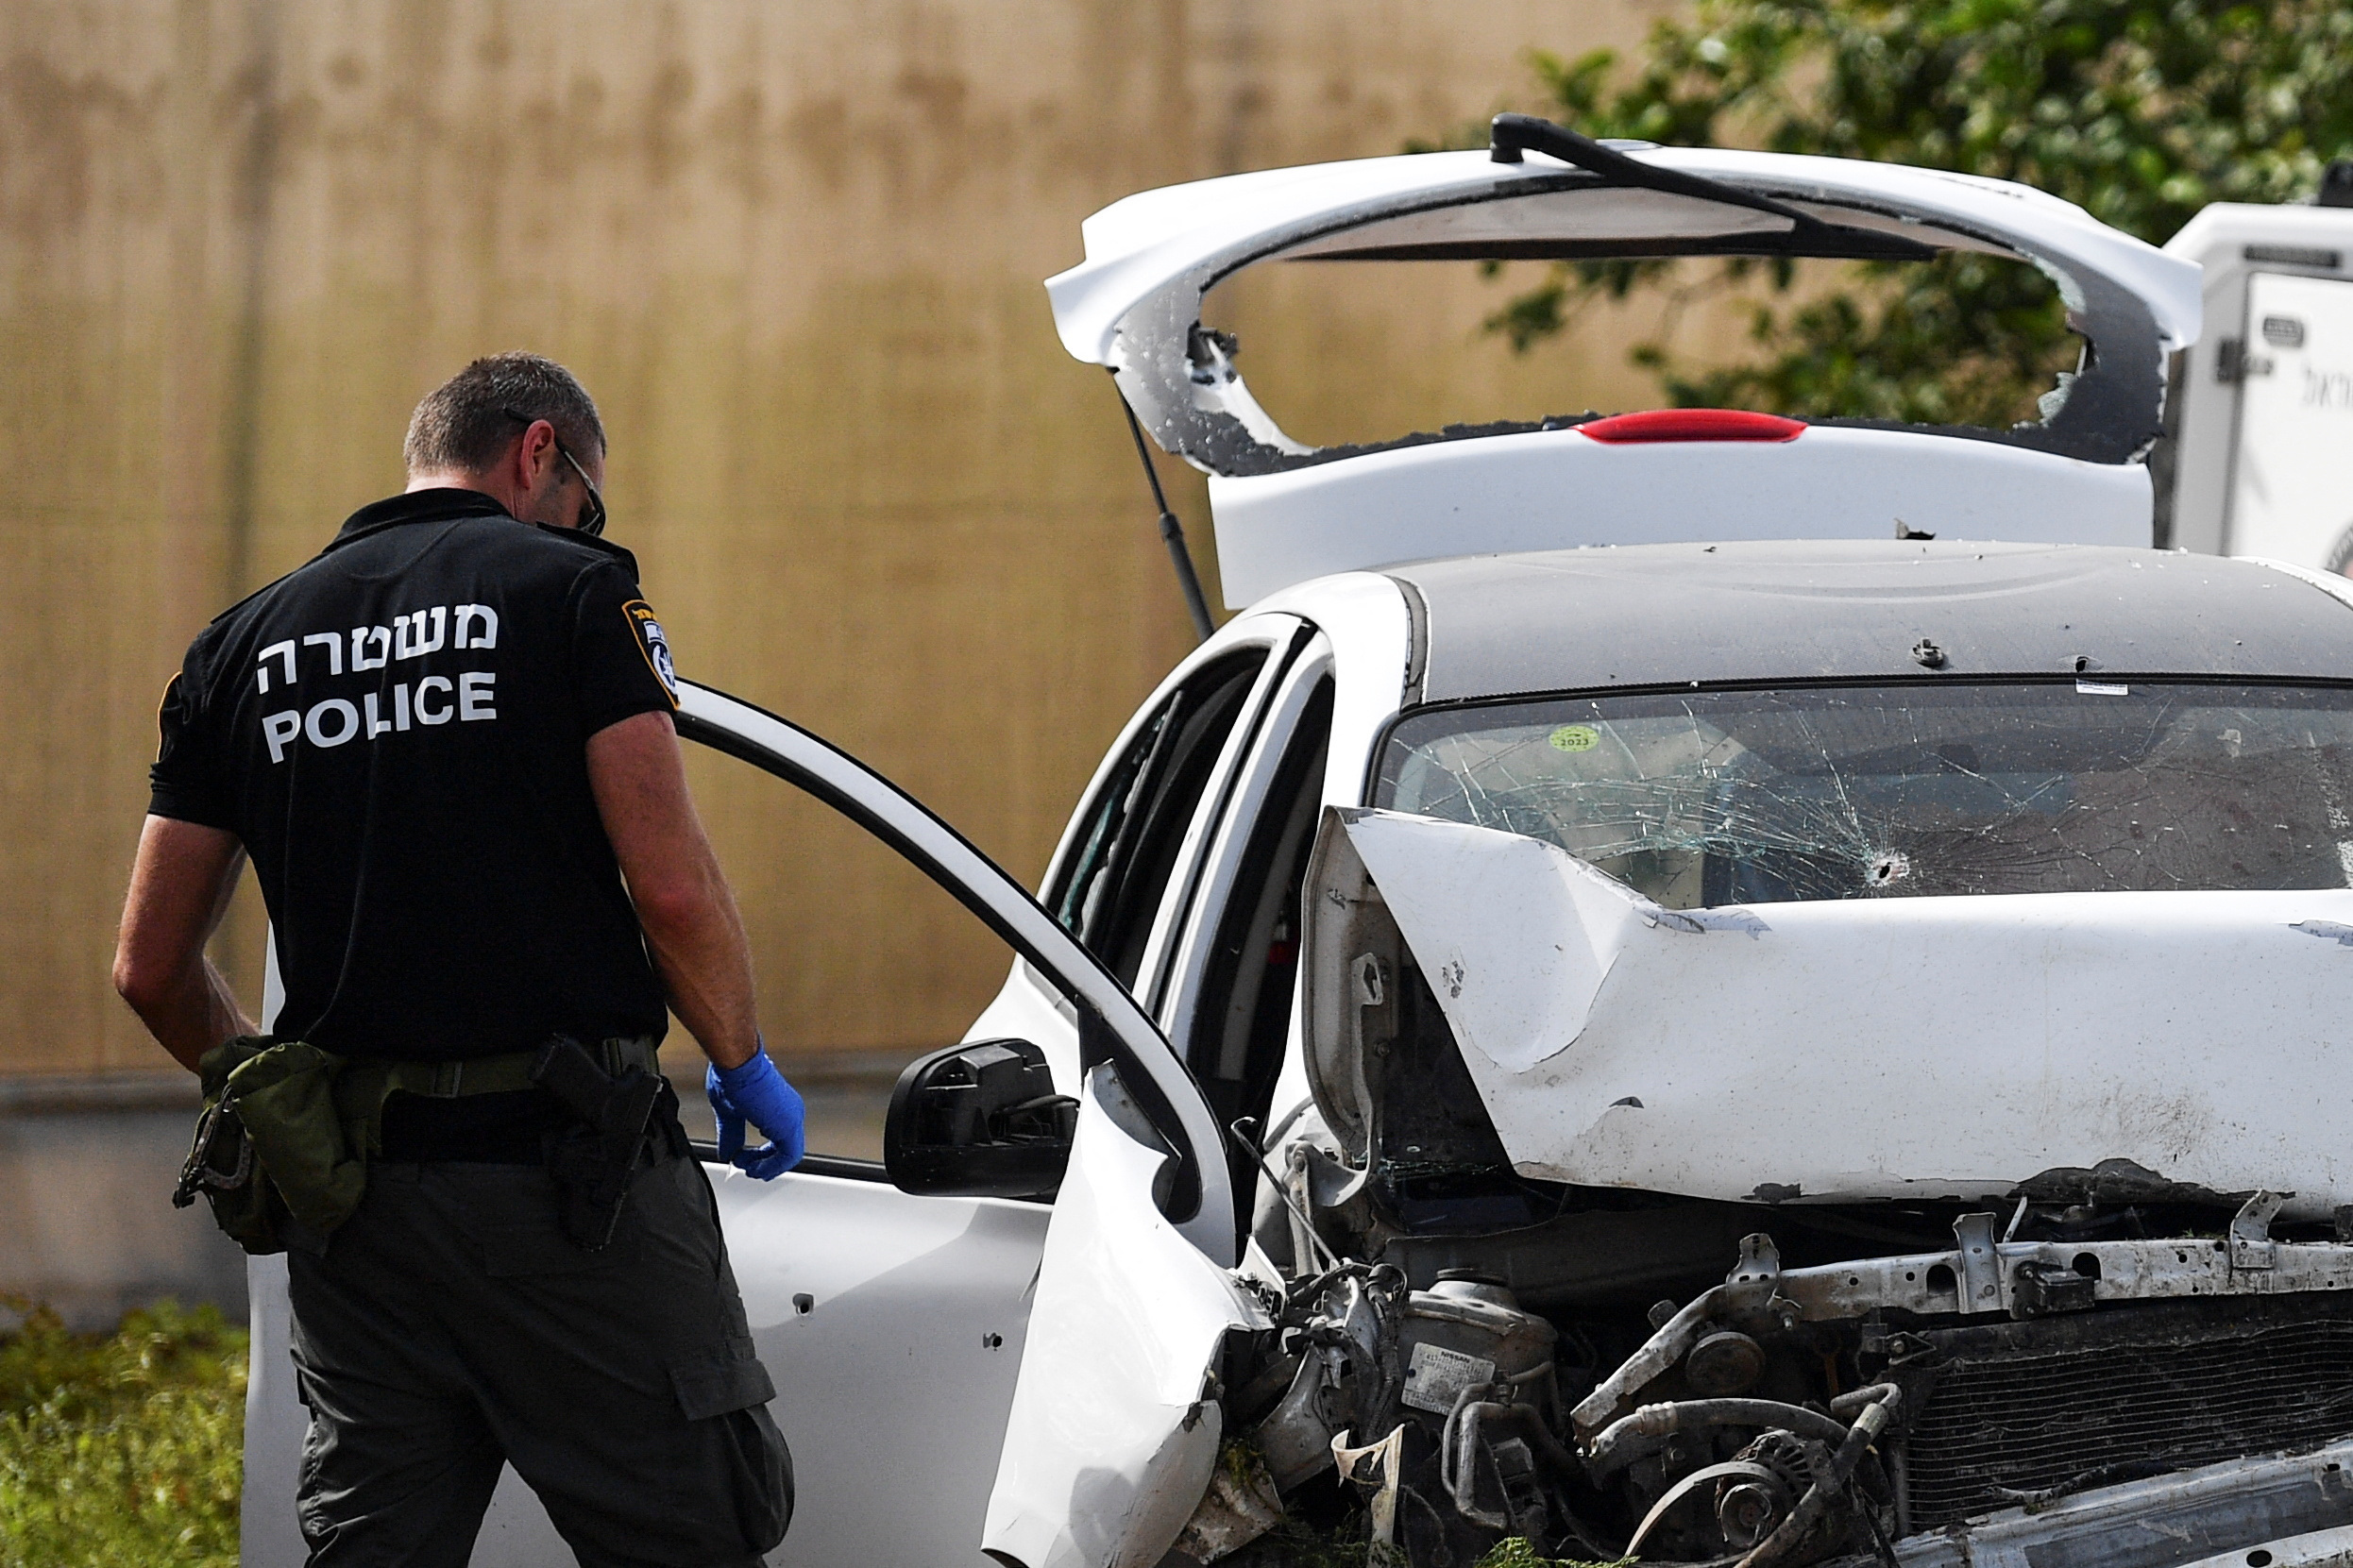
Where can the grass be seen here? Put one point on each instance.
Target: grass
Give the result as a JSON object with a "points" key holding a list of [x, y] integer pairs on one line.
{"points": [[121, 1450], [1516, 1553]]}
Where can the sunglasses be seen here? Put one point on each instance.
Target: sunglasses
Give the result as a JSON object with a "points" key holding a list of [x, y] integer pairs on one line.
{"points": [[591, 512]]}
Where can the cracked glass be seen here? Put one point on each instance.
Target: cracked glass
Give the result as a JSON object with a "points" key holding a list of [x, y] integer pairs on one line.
{"points": [[1707, 797]]}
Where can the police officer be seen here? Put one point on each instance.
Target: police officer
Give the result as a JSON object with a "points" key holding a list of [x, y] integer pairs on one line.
{"points": [[446, 743]]}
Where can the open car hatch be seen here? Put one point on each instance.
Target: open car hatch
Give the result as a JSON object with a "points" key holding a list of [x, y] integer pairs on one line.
{"points": [[1286, 510]]}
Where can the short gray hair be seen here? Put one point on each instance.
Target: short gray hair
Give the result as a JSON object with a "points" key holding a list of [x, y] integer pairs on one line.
{"points": [[470, 419]]}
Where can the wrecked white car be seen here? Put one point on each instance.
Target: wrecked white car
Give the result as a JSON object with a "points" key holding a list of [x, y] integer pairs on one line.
{"points": [[1780, 1040]]}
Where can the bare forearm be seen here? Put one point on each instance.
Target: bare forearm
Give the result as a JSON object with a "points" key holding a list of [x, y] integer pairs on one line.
{"points": [[193, 1013], [689, 917], [180, 885], [705, 964]]}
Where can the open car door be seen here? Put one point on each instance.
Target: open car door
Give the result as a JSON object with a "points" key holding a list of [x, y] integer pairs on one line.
{"points": [[894, 1323]]}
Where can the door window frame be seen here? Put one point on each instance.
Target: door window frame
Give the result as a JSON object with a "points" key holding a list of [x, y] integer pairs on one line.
{"points": [[1112, 1023], [1115, 914], [1310, 667], [1278, 638]]}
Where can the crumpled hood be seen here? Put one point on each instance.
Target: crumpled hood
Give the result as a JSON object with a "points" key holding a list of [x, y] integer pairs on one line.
{"points": [[1916, 1048]]}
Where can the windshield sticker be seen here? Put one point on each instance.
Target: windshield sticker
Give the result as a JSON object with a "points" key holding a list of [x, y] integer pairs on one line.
{"points": [[2101, 688], [1576, 737]]}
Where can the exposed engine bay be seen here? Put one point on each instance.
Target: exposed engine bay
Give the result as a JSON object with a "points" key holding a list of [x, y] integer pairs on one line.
{"points": [[1466, 1387], [2096, 1367]]}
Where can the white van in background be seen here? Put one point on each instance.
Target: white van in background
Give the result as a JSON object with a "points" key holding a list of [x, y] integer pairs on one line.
{"points": [[2262, 406]]}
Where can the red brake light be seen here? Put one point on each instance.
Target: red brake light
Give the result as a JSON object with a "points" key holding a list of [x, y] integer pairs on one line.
{"points": [[1692, 425]]}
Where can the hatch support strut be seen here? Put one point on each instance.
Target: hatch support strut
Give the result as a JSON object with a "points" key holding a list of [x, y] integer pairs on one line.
{"points": [[1171, 532]]}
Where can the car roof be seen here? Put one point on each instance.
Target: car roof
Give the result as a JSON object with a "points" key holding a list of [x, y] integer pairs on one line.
{"points": [[1668, 614]]}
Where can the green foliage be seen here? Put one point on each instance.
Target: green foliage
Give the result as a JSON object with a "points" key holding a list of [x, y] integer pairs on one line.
{"points": [[122, 1450], [1515, 1552], [1962, 339], [2140, 110]]}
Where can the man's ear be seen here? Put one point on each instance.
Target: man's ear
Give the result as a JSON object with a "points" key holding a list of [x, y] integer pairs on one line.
{"points": [[535, 453]]}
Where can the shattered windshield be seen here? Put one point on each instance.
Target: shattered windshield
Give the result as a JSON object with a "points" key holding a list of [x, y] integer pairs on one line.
{"points": [[1708, 797]]}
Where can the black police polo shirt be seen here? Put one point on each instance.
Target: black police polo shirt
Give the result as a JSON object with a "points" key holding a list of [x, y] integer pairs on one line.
{"points": [[396, 733]]}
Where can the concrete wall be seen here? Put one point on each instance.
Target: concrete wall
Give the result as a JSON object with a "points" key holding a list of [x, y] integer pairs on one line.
{"points": [[86, 1172], [794, 248]]}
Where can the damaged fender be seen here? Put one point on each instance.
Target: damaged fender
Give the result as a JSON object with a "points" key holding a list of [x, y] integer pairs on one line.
{"points": [[1541, 927], [1115, 1429]]}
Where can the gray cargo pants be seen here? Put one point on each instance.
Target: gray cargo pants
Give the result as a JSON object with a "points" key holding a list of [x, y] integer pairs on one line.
{"points": [[451, 1325]]}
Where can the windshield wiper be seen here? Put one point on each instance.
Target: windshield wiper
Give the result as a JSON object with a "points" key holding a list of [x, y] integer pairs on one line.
{"points": [[1511, 135]]}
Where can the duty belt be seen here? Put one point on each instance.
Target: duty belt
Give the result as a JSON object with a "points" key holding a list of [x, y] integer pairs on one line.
{"points": [[365, 1081], [310, 1120]]}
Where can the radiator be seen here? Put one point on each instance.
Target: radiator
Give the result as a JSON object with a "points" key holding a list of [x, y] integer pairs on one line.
{"points": [[2116, 1395]]}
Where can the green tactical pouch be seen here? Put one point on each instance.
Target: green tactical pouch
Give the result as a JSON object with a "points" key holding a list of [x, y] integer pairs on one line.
{"points": [[221, 1163], [271, 1144], [285, 1096]]}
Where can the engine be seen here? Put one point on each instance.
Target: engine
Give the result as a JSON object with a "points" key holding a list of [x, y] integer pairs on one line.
{"points": [[1513, 1382]]}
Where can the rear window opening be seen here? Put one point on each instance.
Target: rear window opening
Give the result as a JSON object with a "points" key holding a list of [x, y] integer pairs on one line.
{"points": [[1710, 798], [1966, 338]]}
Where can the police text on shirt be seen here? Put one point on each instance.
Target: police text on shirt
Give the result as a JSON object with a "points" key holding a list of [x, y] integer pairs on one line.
{"points": [[394, 706]]}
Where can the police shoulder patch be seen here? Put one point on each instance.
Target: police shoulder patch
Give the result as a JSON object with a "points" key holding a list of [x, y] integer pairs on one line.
{"points": [[653, 644]]}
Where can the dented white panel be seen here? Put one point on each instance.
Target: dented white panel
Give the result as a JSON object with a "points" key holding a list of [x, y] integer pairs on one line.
{"points": [[1516, 937], [1903, 1047], [1113, 1433]]}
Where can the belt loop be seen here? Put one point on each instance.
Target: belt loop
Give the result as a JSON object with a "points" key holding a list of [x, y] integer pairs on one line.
{"points": [[447, 1077]]}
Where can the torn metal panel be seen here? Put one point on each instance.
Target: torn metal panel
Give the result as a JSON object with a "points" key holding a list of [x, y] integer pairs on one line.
{"points": [[1354, 952], [1925, 1048], [1114, 1430], [1240, 1505], [1516, 937]]}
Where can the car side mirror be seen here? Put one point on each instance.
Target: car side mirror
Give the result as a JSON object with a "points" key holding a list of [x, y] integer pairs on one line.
{"points": [[979, 1120]]}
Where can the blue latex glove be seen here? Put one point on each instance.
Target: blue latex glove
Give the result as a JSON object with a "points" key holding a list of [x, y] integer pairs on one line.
{"points": [[757, 1093]]}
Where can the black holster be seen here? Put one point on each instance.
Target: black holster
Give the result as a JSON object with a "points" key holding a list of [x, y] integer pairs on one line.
{"points": [[626, 1123]]}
